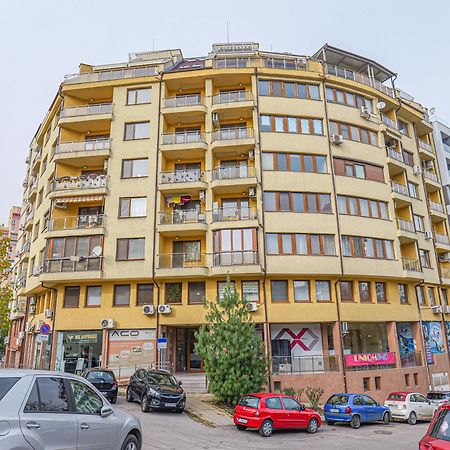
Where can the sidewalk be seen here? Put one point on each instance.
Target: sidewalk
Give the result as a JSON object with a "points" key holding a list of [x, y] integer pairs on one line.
{"points": [[199, 407]]}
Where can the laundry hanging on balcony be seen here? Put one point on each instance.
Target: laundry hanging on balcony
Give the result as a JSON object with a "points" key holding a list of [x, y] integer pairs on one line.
{"points": [[178, 199]]}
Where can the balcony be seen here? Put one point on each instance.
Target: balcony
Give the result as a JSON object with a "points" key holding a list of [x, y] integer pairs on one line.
{"points": [[79, 151], [406, 231], [411, 267], [32, 189], [237, 139], [236, 262], [392, 125], [298, 365], [21, 283], [445, 274], [192, 264], [184, 108], [29, 220], [401, 194], [425, 148], [188, 179], [183, 223], [233, 104], [36, 158], [395, 161], [89, 222], [110, 75], [229, 214], [431, 180], [24, 252], [442, 241], [17, 310], [74, 268], [228, 179], [94, 117], [233, 134], [184, 144], [437, 211], [66, 186]]}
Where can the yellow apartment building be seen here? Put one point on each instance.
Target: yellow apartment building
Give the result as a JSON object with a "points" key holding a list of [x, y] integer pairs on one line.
{"points": [[311, 181]]}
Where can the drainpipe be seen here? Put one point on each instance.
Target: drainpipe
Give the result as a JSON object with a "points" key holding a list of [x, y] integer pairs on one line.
{"points": [[267, 336], [54, 340], [341, 260], [25, 320]]}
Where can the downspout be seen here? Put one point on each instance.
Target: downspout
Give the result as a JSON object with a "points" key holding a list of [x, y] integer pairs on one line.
{"points": [[341, 260], [54, 340], [25, 320], [267, 339]]}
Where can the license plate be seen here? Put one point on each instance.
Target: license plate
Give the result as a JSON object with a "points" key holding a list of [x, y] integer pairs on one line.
{"points": [[241, 420], [335, 410], [170, 405]]}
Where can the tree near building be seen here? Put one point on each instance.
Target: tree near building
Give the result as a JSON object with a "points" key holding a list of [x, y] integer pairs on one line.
{"points": [[233, 354], [5, 291]]}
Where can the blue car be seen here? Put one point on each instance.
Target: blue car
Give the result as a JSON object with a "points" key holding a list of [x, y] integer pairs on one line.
{"points": [[355, 409]]}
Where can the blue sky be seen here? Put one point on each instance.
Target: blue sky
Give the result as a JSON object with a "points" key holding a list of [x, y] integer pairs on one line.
{"points": [[41, 41]]}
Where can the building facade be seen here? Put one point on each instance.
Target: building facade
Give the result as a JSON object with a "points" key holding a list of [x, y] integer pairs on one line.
{"points": [[441, 134], [312, 182]]}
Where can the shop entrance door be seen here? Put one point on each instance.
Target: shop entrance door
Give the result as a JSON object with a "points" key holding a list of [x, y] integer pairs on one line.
{"points": [[186, 358]]}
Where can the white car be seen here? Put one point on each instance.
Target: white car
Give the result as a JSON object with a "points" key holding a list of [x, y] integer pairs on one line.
{"points": [[410, 407]]}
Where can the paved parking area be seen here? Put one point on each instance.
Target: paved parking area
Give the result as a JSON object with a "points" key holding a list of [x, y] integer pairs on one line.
{"points": [[178, 431]]}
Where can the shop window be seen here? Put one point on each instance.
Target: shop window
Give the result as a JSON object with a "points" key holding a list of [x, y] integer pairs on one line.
{"points": [[122, 295], [72, 297], [93, 295], [366, 384], [144, 294], [174, 292], [366, 338], [279, 290], [377, 383], [196, 292]]}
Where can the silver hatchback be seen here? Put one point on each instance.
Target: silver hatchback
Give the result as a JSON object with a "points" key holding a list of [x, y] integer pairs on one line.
{"points": [[58, 411]]}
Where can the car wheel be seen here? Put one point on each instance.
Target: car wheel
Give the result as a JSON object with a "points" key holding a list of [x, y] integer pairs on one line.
{"points": [[356, 422], [266, 428], [180, 411], [131, 443], [241, 427], [144, 404], [129, 397], [386, 418], [313, 426], [412, 419], [330, 422], [114, 400]]}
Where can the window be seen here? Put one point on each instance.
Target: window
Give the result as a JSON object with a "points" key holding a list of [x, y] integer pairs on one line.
{"points": [[300, 244], [346, 288], [357, 206], [380, 289], [353, 133], [362, 247], [408, 158], [93, 295], [349, 168], [139, 96], [424, 256], [364, 292], [347, 98], [196, 292], [86, 400], [288, 89], [144, 294], [173, 293], [291, 405], [132, 207], [234, 247], [279, 290], [420, 295], [273, 403], [444, 296], [250, 290], [48, 395], [137, 130], [6, 383], [292, 162], [418, 223], [283, 124], [130, 249], [323, 291], [72, 297], [301, 291], [221, 285], [122, 294], [403, 294], [134, 168], [297, 202], [440, 428], [412, 188], [40, 197], [58, 248], [431, 296], [402, 127]]}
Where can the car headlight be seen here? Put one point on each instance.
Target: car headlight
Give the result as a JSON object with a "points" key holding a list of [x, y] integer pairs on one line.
{"points": [[153, 392]]}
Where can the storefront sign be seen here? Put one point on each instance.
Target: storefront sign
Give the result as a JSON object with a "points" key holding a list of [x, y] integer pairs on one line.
{"points": [[81, 338], [369, 359], [406, 343]]}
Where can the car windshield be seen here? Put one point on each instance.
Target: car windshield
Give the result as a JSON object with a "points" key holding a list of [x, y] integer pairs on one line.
{"points": [[162, 378], [441, 426], [397, 397], [338, 400], [100, 376], [249, 401], [435, 396], [6, 384]]}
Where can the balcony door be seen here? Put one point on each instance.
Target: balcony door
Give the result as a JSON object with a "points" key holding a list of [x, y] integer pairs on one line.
{"points": [[186, 212], [233, 169], [185, 252], [235, 209], [184, 173]]}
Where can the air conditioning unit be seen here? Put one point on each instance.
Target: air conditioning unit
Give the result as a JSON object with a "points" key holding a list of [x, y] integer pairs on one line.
{"points": [[251, 154], [60, 205], [252, 192], [38, 325], [337, 139], [447, 309], [202, 196], [164, 309], [107, 324], [32, 301], [215, 119], [428, 235], [48, 313], [344, 327], [364, 112], [251, 306], [417, 170], [148, 310], [437, 309], [32, 309], [21, 334]]}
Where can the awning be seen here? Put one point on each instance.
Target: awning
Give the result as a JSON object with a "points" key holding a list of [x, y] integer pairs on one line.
{"points": [[84, 199]]}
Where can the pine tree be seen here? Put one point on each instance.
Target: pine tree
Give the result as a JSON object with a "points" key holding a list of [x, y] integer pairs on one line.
{"points": [[233, 354], [5, 291]]}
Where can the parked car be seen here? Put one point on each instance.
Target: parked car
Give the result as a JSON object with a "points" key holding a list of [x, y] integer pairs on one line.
{"points": [[354, 409], [267, 412], [40, 410], [104, 380], [410, 407], [438, 398], [156, 389], [437, 436]]}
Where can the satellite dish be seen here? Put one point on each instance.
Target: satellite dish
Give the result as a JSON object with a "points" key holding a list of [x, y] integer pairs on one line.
{"points": [[432, 111], [381, 105], [97, 251]]}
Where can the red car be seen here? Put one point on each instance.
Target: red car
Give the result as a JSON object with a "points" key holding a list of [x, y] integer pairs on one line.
{"points": [[267, 412], [438, 433]]}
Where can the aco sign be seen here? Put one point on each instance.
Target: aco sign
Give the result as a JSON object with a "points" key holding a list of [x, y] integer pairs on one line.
{"points": [[370, 359]]}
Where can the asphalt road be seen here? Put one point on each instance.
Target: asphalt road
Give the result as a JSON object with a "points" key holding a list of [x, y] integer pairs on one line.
{"points": [[178, 431]]}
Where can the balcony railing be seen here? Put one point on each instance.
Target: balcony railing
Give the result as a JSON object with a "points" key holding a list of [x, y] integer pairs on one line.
{"points": [[83, 146], [108, 75], [87, 110], [186, 216], [75, 222], [230, 214], [25, 247], [442, 238], [236, 258], [360, 78], [181, 176], [228, 134], [405, 225], [183, 100], [21, 281], [394, 154], [73, 264], [399, 188], [29, 216], [412, 265], [425, 146], [182, 260], [445, 272], [230, 173], [185, 137], [37, 153], [304, 364], [436, 206], [81, 182], [232, 96], [33, 184], [389, 122], [430, 175]]}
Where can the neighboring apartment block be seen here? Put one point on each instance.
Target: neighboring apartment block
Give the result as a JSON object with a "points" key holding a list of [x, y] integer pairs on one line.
{"points": [[312, 182], [441, 134]]}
